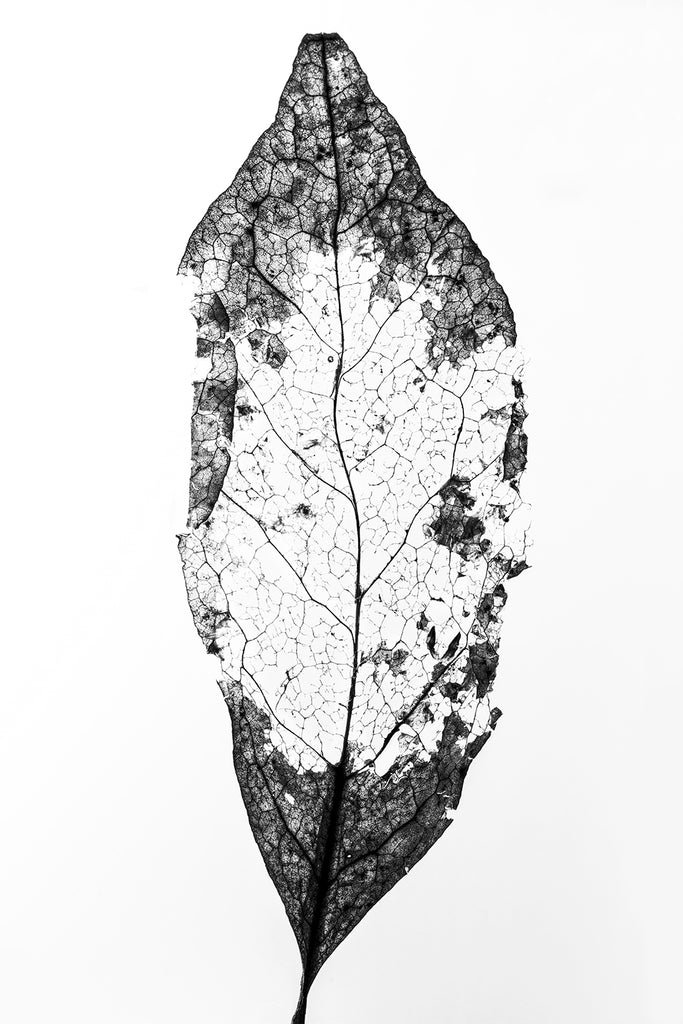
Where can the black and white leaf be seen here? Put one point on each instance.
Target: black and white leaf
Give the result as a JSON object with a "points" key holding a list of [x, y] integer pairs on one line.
{"points": [[357, 443]]}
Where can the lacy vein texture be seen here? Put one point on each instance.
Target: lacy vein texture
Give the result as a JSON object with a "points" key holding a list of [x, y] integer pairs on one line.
{"points": [[357, 443]]}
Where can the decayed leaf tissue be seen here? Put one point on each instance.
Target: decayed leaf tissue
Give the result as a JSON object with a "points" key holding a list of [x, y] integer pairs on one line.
{"points": [[357, 444]]}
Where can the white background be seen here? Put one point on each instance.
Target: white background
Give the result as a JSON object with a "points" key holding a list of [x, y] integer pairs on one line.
{"points": [[133, 892]]}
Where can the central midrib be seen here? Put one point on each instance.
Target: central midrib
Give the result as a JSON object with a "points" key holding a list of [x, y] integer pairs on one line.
{"points": [[340, 770]]}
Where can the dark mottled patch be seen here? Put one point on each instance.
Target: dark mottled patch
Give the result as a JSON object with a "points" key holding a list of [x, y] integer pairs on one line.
{"points": [[268, 348], [515, 452], [452, 648], [393, 657], [516, 568], [453, 526], [490, 605], [482, 667], [477, 744], [220, 314]]}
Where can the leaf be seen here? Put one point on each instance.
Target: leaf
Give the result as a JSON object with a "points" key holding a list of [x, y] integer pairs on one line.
{"points": [[357, 440]]}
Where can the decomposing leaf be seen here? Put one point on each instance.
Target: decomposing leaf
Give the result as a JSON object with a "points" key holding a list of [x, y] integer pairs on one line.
{"points": [[357, 442]]}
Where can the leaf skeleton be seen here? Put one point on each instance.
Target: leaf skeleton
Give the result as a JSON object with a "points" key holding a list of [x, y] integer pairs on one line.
{"points": [[351, 530]]}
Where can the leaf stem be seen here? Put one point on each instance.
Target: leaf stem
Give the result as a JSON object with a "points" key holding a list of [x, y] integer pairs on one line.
{"points": [[300, 1012]]}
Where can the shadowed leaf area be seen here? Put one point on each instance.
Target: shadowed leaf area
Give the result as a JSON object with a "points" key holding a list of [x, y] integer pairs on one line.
{"points": [[357, 442]]}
